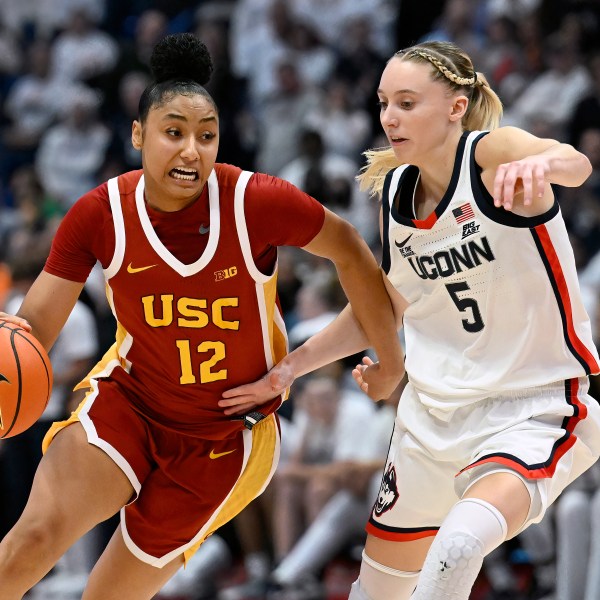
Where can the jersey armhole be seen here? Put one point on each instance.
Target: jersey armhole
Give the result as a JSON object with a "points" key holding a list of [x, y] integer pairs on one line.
{"points": [[114, 196], [242, 229], [386, 207]]}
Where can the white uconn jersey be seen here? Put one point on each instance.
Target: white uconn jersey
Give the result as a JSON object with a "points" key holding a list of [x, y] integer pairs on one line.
{"points": [[494, 298]]}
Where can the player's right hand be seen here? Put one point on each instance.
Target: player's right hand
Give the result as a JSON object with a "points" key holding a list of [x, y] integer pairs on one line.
{"points": [[370, 380], [15, 321]]}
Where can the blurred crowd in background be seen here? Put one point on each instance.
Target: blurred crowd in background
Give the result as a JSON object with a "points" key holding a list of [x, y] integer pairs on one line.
{"points": [[295, 84]]}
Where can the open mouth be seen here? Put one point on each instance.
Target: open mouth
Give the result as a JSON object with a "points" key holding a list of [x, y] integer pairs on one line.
{"points": [[397, 140], [184, 174]]}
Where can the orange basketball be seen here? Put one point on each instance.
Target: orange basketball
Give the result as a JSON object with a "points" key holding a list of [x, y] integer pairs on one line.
{"points": [[25, 379]]}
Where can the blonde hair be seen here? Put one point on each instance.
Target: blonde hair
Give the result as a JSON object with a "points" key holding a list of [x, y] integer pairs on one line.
{"points": [[452, 67]]}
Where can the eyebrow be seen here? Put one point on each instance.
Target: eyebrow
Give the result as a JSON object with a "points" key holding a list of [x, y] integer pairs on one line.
{"points": [[177, 117], [404, 91]]}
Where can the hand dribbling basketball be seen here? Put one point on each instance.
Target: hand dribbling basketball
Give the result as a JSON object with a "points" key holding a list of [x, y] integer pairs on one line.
{"points": [[25, 379]]}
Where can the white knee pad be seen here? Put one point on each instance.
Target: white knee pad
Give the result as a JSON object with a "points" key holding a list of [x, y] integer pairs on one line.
{"points": [[537, 507], [472, 529], [379, 582]]}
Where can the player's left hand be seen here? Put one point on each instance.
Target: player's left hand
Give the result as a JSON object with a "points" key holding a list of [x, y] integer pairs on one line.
{"points": [[374, 381], [244, 398], [526, 177]]}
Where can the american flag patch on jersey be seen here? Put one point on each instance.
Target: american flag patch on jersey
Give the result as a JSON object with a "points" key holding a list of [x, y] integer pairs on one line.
{"points": [[463, 212]]}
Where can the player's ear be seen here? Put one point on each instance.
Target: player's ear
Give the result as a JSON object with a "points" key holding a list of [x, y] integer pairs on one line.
{"points": [[459, 108], [136, 135]]}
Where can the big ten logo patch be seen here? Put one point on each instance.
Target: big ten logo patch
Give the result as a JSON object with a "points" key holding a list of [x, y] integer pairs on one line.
{"points": [[225, 273]]}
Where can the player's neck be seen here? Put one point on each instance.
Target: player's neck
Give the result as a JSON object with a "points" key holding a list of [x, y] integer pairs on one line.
{"points": [[435, 175]]}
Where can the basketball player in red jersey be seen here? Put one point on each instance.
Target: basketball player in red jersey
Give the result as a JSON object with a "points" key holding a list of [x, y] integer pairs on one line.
{"points": [[189, 252]]}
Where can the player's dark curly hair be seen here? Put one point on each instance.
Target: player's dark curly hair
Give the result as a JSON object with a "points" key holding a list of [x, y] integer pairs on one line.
{"points": [[181, 64]]}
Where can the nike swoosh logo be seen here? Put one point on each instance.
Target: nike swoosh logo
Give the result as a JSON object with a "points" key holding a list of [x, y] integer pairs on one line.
{"points": [[402, 244], [214, 454], [132, 269], [204, 229]]}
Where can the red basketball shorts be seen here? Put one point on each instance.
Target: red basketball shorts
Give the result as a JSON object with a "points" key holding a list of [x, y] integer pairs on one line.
{"points": [[185, 487]]}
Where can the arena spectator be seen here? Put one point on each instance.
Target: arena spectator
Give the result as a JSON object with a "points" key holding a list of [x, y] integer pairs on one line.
{"points": [[565, 82], [71, 152], [587, 112], [82, 51], [280, 120], [34, 103]]}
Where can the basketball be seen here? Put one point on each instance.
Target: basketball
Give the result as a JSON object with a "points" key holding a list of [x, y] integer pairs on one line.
{"points": [[25, 379]]}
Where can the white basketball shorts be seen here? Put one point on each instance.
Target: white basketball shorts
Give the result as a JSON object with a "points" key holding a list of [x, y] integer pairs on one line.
{"points": [[546, 435]]}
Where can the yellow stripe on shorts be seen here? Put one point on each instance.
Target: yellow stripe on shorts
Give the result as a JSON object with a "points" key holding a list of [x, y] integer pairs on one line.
{"points": [[265, 436]]}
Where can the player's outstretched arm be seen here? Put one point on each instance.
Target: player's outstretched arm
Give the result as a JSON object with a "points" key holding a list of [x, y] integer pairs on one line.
{"points": [[519, 168], [363, 283], [342, 337]]}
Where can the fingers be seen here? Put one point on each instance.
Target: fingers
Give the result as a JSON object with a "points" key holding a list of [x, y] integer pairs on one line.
{"points": [[508, 189], [533, 178], [240, 409], [524, 176], [238, 405], [236, 391], [527, 179], [237, 400], [498, 185], [15, 320], [505, 184], [359, 371], [540, 180], [357, 374]]}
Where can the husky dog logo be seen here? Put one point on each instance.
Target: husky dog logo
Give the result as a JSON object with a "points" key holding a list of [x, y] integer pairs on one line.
{"points": [[388, 492]]}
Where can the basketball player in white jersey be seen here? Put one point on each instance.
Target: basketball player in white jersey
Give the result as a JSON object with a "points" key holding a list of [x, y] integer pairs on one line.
{"points": [[495, 421]]}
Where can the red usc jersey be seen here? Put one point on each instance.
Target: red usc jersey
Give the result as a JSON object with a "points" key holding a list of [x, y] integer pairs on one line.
{"points": [[186, 332]]}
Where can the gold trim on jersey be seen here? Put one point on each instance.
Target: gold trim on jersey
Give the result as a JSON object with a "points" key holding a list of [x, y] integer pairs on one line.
{"points": [[109, 361], [258, 471], [60, 425]]}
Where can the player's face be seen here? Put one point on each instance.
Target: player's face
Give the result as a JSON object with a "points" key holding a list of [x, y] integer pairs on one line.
{"points": [[179, 143], [417, 113]]}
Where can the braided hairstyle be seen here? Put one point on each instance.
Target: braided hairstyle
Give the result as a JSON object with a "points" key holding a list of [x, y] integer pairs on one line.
{"points": [[452, 67], [181, 65]]}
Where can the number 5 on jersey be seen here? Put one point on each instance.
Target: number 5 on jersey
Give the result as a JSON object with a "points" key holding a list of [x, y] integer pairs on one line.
{"points": [[464, 305]]}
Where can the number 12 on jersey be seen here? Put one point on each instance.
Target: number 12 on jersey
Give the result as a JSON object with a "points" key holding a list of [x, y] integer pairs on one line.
{"points": [[207, 373]]}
